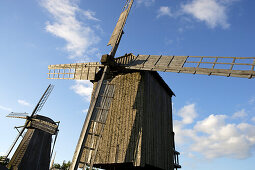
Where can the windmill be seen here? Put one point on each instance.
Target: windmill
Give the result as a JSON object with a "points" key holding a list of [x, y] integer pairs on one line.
{"points": [[129, 121], [34, 150]]}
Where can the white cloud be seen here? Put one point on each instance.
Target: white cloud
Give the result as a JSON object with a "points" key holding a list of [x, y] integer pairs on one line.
{"points": [[213, 137], [145, 2], [212, 12], [253, 119], [188, 113], [240, 114], [164, 11], [5, 108], [210, 124], [182, 135], [90, 15], [23, 102], [83, 88], [80, 38], [228, 141]]}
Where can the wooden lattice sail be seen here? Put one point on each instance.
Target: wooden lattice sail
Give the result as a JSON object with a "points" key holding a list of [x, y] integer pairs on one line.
{"points": [[220, 66]]}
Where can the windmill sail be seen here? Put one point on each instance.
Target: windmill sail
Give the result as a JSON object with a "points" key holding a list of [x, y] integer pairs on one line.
{"points": [[17, 115], [221, 66], [42, 100], [118, 30], [78, 71], [120, 24]]}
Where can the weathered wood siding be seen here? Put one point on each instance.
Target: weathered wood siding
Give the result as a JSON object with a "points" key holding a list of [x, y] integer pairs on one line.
{"points": [[157, 132], [139, 123]]}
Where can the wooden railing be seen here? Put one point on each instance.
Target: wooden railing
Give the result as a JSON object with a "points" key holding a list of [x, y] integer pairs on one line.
{"points": [[176, 159]]}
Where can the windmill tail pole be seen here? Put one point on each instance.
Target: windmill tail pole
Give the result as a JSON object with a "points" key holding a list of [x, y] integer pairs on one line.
{"points": [[52, 162], [15, 141], [78, 151]]}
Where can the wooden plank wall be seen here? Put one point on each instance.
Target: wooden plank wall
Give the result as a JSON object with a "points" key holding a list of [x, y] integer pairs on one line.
{"points": [[139, 123], [158, 127], [122, 133]]}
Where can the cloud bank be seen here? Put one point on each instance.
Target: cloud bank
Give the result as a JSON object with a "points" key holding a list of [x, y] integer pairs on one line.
{"points": [[214, 137], [80, 38], [214, 13], [83, 88]]}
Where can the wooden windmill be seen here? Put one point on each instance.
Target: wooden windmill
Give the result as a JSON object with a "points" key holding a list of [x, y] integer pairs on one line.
{"points": [[34, 150], [129, 121]]}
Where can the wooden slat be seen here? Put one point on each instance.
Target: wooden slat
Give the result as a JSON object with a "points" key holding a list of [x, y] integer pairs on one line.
{"points": [[220, 63], [139, 61], [152, 60], [117, 32], [178, 61], [125, 59], [78, 71], [179, 64], [118, 29], [164, 61]]}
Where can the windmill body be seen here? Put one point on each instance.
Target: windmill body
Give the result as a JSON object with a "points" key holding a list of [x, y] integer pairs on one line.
{"points": [[34, 150], [129, 121], [139, 124]]}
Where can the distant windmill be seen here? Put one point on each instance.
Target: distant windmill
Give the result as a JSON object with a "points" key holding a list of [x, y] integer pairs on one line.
{"points": [[129, 121], [34, 150]]}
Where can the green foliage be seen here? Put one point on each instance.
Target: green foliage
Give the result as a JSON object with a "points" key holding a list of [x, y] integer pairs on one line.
{"points": [[3, 161], [65, 166], [58, 166]]}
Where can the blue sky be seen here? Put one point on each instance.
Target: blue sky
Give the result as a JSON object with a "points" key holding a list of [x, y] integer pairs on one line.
{"points": [[214, 117]]}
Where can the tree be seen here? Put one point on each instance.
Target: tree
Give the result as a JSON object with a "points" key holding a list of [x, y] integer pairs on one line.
{"points": [[65, 166]]}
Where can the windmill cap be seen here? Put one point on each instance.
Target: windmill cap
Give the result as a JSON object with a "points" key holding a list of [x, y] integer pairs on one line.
{"points": [[44, 118]]}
